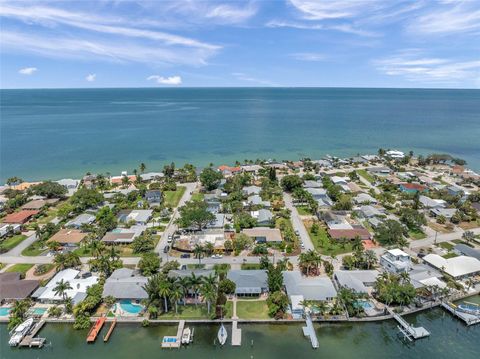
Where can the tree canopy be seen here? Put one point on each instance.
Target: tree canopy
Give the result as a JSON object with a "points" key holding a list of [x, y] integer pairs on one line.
{"points": [[195, 213], [210, 178], [86, 198], [389, 233], [291, 182], [49, 189]]}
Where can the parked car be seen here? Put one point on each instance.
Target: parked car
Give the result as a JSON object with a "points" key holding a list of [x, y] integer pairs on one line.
{"points": [[302, 245], [217, 256], [297, 233], [185, 255], [166, 249]]}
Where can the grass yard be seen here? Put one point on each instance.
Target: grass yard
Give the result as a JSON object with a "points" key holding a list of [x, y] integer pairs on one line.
{"points": [[11, 242], [189, 311], [366, 175], [34, 249], [469, 225], [21, 268], [250, 266], [324, 244], [173, 197], [441, 228], [416, 235], [446, 245], [304, 211], [450, 255], [198, 196], [228, 309], [250, 309]]}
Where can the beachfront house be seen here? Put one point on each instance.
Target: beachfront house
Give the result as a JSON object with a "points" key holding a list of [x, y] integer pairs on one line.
{"points": [[311, 288], [249, 282], [264, 234], [396, 261], [78, 281], [125, 284], [70, 184]]}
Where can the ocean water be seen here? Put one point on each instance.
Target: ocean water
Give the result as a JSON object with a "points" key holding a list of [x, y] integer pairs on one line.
{"points": [[52, 134]]}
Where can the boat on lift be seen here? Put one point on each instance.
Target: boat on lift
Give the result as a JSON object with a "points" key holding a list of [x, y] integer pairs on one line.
{"points": [[17, 334]]}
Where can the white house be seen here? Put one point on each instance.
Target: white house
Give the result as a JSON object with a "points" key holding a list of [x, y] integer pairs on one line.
{"points": [[458, 267], [396, 261]]}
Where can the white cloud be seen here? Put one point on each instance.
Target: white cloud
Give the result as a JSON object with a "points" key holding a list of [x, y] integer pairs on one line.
{"points": [[415, 67], [231, 14], [27, 71], [454, 17], [172, 80], [91, 77], [332, 9], [308, 56]]}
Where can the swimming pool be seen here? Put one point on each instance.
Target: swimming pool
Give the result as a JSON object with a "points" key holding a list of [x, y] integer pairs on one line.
{"points": [[365, 304], [130, 307], [4, 311], [39, 311]]}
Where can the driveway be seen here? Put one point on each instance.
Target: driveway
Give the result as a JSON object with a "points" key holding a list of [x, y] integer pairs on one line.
{"points": [[297, 222], [17, 251]]}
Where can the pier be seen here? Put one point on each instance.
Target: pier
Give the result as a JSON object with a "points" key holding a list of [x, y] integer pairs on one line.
{"points": [[110, 330], [174, 341], [410, 332], [30, 341], [92, 334], [469, 319], [236, 334], [309, 331]]}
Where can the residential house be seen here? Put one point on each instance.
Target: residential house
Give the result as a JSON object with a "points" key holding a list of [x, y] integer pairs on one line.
{"points": [[123, 235], [422, 275], [218, 222], [38, 204], [249, 190], [153, 197], [395, 154], [263, 216], [460, 267], [412, 187], [253, 169], [249, 282], [70, 184], [335, 221], [264, 234], [79, 283], [7, 229], [357, 280], [139, 216], [455, 191], [379, 171], [448, 213], [463, 249], [428, 202], [77, 222], [21, 217], [368, 211], [13, 287], [311, 288], [152, 176], [364, 198], [68, 237], [125, 283], [312, 184], [229, 171], [396, 261], [256, 200], [321, 196]]}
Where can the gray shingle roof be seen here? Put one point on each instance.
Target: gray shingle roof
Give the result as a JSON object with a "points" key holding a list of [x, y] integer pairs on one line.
{"points": [[249, 281]]}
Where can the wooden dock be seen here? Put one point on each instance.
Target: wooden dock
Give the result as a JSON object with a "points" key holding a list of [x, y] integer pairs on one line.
{"points": [[236, 334], [469, 319], [92, 334], [410, 332], [30, 340], [309, 331], [110, 330], [174, 341]]}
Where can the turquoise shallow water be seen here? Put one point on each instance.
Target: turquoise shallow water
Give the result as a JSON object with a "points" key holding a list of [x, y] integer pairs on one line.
{"points": [[50, 134], [449, 339]]}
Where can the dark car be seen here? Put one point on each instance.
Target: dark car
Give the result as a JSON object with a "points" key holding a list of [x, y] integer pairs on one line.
{"points": [[166, 249], [185, 255]]}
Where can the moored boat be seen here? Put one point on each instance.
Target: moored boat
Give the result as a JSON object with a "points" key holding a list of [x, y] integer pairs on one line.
{"points": [[186, 335], [222, 335], [17, 334]]}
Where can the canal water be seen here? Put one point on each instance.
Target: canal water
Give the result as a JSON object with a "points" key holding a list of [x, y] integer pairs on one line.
{"points": [[450, 338]]}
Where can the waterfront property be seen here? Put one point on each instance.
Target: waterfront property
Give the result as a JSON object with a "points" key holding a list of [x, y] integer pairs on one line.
{"points": [[249, 282], [357, 280], [459, 267], [311, 288], [13, 288], [395, 261], [125, 284]]}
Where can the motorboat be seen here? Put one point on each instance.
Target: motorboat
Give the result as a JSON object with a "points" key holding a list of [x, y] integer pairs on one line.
{"points": [[469, 308], [222, 335], [17, 334], [187, 333]]}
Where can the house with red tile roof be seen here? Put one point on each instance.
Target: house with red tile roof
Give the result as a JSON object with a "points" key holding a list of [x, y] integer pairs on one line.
{"points": [[412, 187], [20, 217], [227, 170], [351, 234]]}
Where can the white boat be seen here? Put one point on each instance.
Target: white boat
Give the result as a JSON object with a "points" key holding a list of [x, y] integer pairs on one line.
{"points": [[186, 335], [17, 334], [222, 335]]}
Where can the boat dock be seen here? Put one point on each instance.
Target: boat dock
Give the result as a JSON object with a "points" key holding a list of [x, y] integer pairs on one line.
{"points": [[110, 330], [468, 318], [92, 334], [30, 341], [309, 331], [174, 341], [408, 330], [236, 334]]}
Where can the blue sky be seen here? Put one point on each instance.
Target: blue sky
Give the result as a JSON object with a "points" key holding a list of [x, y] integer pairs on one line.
{"points": [[356, 43]]}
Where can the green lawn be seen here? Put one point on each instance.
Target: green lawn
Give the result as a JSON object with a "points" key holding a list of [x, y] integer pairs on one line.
{"points": [[189, 311], [416, 234], [446, 245], [325, 245], [450, 255], [250, 266], [11, 242], [198, 196], [252, 309], [228, 309], [173, 197], [34, 249], [366, 175], [304, 211], [21, 268]]}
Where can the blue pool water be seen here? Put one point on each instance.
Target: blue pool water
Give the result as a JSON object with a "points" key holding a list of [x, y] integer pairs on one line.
{"points": [[39, 311], [365, 304], [4, 311], [130, 307]]}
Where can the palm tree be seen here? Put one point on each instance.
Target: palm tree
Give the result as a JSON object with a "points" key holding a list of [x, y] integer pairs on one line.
{"points": [[164, 290], [176, 294], [184, 282], [97, 247], [194, 282], [210, 280], [209, 248], [61, 288], [198, 251], [125, 181], [209, 293], [143, 167], [370, 258]]}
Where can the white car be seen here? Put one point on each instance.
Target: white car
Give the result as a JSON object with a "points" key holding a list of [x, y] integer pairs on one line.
{"points": [[217, 256], [302, 245]]}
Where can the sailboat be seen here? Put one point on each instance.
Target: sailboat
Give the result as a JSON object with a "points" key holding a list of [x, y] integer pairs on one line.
{"points": [[17, 334], [222, 335]]}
